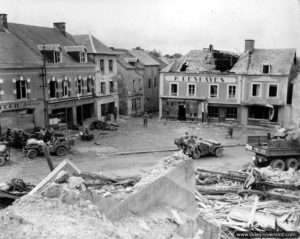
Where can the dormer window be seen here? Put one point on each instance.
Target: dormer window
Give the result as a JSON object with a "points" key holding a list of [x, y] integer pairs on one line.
{"points": [[83, 57], [52, 52], [266, 69], [78, 53]]}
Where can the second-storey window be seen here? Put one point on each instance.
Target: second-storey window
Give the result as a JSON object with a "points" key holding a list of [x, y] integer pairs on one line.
{"points": [[140, 85], [255, 89], [79, 86], [191, 90], [231, 91], [65, 88], [149, 83], [102, 65], [53, 88], [102, 87], [273, 90], [213, 91], [111, 65], [154, 82], [174, 90], [89, 85], [111, 86], [21, 88], [133, 86]]}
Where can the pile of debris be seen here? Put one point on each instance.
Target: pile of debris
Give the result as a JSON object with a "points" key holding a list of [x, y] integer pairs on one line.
{"points": [[249, 201], [101, 125]]}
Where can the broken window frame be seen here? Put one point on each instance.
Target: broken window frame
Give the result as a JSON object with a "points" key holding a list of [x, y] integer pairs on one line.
{"points": [[231, 91], [212, 94], [269, 91], [21, 89], [189, 90], [173, 93], [253, 86]]}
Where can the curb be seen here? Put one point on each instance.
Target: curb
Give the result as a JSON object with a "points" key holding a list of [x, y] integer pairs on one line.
{"points": [[165, 150]]}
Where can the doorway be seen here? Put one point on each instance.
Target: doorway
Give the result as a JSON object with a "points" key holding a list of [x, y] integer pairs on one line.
{"points": [[181, 112], [79, 114]]}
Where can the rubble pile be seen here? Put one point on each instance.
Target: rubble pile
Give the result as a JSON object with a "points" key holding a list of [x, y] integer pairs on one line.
{"points": [[244, 201], [16, 186], [160, 169]]}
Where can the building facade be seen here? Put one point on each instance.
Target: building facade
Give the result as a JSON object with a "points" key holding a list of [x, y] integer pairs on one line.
{"points": [[216, 86], [131, 84], [151, 79], [46, 77], [106, 74]]}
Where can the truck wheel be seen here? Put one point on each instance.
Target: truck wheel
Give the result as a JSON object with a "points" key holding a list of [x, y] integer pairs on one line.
{"points": [[61, 151], [2, 161], [278, 163], [196, 154], [219, 152], [292, 163], [32, 153]]}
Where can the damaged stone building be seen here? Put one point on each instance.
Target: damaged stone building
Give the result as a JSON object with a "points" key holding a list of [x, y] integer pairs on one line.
{"points": [[46, 77], [198, 86], [253, 88]]}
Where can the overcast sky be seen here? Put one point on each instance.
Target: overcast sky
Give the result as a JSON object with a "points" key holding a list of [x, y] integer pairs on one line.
{"points": [[168, 25]]}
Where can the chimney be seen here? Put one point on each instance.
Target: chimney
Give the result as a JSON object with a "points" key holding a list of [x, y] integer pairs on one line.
{"points": [[211, 48], [61, 26], [249, 46], [3, 22]]}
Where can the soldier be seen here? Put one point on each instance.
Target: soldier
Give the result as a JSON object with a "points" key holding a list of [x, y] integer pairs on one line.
{"points": [[229, 131], [145, 118]]}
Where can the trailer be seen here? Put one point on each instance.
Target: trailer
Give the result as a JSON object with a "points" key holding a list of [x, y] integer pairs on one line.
{"points": [[276, 152]]}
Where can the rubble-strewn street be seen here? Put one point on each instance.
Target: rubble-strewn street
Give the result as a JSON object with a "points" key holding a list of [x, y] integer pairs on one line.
{"points": [[132, 136]]}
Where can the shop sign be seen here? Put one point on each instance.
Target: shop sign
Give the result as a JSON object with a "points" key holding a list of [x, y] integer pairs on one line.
{"points": [[201, 79], [19, 105]]}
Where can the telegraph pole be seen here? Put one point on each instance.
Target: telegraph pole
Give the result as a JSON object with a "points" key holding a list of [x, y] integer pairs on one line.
{"points": [[44, 77]]}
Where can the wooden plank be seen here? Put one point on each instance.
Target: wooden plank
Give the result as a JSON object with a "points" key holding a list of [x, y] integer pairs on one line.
{"points": [[64, 165], [253, 210], [4, 194]]}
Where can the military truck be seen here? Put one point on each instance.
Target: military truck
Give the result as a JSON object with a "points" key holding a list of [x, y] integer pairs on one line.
{"points": [[276, 152]]}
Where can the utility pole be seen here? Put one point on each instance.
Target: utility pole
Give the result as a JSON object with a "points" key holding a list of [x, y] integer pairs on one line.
{"points": [[44, 86]]}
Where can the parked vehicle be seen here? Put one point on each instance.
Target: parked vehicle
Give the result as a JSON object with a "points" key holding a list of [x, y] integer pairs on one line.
{"points": [[276, 152], [4, 154], [60, 146], [197, 148]]}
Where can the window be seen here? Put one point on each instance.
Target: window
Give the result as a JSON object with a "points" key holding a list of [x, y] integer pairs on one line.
{"points": [[154, 82], [21, 88], [79, 86], [140, 85], [83, 57], [191, 89], [213, 92], [102, 87], [89, 85], [231, 91], [133, 86], [231, 112], [149, 83], [174, 90], [65, 88], [57, 56], [256, 89], [213, 111], [101, 65], [112, 86], [273, 90], [266, 69], [111, 65], [53, 88]]}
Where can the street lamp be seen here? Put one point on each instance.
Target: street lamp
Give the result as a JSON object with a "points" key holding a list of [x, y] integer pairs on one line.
{"points": [[44, 86]]}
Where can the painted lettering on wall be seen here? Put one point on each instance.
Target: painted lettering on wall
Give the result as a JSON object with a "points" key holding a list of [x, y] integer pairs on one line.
{"points": [[201, 79], [19, 105]]}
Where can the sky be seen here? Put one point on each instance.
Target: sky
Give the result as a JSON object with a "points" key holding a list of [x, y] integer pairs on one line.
{"points": [[169, 26]]}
